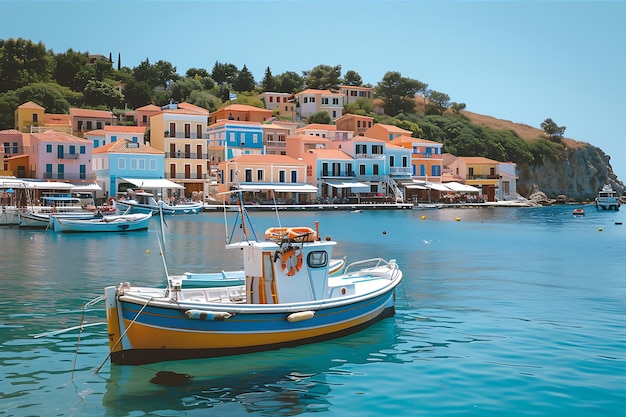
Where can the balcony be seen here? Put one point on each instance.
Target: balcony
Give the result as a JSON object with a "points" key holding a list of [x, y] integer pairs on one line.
{"points": [[369, 156], [186, 155], [190, 176], [64, 176], [181, 135], [69, 156], [483, 177]]}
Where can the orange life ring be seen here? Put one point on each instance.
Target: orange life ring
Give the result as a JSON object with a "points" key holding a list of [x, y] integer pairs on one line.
{"points": [[290, 265]]}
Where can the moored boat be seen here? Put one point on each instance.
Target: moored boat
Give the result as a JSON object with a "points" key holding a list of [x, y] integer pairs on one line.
{"points": [[578, 212], [288, 298], [143, 202], [607, 199], [111, 223]]}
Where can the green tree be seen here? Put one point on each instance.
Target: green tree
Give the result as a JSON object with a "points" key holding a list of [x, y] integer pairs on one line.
{"points": [[438, 102], [103, 69], [182, 88], [137, 94], [244, 81], [554, 131], [23, 62], [68, 65], [289, 82], [457, 107], [205, 100], [352, 78], [321, 117], [161, 74], [323, 77], [197, 73], [268, 83], [224, 73], [100, 93], [361, 106], [47, 95], [398, 92]]}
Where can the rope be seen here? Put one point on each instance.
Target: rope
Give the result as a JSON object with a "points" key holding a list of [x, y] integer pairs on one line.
{"points": [[122, 335]]}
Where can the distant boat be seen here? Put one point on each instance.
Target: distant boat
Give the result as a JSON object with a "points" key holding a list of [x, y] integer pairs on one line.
{"points": [[111, 223], [144, 202], [43, 220], [428, 206], [607, 199], [579, 212]]}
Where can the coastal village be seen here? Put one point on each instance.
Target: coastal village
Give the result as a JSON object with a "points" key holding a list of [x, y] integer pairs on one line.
{"points": [[186, 152]]}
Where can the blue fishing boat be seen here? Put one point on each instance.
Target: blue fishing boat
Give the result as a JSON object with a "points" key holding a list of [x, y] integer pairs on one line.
{"points": [[288, 297]]}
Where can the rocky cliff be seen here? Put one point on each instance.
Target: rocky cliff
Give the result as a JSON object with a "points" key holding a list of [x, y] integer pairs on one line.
{"points": [[578, 174]]}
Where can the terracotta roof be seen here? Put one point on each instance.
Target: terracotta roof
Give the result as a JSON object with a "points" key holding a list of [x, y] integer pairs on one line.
{"points": [[392, 128], [56, 119], [244, 108], [197, 109], [120, 147], [314, 91], [310, 138], [330, 154], [126, 129], [366, 139], [30, 105], [10, 132], [477, 160], [277, 159], [149, 107], [234, 122], [98, 114], [53, 136], [409, 139], [318, 126], [98, 132]]}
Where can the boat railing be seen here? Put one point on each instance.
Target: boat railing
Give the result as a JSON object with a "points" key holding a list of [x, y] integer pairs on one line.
{"points": [[369, 264]]}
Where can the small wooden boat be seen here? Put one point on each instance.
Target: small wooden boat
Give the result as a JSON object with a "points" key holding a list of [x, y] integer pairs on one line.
{"points": [[144, 202], [43, 220], [111, 223], [288, 298], [579, 212]]}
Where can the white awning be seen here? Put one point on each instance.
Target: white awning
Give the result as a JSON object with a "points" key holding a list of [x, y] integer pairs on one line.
{"points": [[461, 188], [436, 186], [347, 184], [281, 188], [48, 185], [415, 187], [87, 187], [152, 183]]}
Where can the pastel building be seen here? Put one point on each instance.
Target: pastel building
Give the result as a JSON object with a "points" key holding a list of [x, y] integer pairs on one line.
{"points": [[241, 112], [59, 156], [426, 157], [84, 120], [480, 172], [311, 101], [145, 113], [355, 123], [268, 177], [180, 131], [114, 133], [227, 139], [116, 162], [352, 93], [331, 132]]}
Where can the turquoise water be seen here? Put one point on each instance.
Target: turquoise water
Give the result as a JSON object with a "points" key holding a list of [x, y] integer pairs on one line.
{"points": [[516, 312]]}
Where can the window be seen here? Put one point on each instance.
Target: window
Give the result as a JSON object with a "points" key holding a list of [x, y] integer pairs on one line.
{"points": [[353, 93], [325, 169], [48, 148], [255, 138], [324, 100], [377, 149], [375, 169], [61, 171], [392, 161], [259, 175], [349, 169], [271, 99], [281, 175], [144, 118], [152, 164], [114, 138], [83, 172], [172, 130], [358, 123], [306, 100], [121, 163], [60, 152], [133, 163], [187, 130], [422, 170], [248, 175], [317, 259], [335, 101], [82, 149], [72, 149], [135, 139], [98, 125], [294, 176], [361, 169], [35, 118]]}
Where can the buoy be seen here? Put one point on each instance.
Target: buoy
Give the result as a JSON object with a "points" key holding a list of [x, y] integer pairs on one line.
{"points": [[300, 316], [384, 232], [599, 229], [147, 250], [423, 217], [618, 223], [458, 219]]}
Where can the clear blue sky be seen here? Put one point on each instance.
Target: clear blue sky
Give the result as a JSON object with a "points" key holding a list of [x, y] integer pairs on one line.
{"points": [[522, 61]]}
